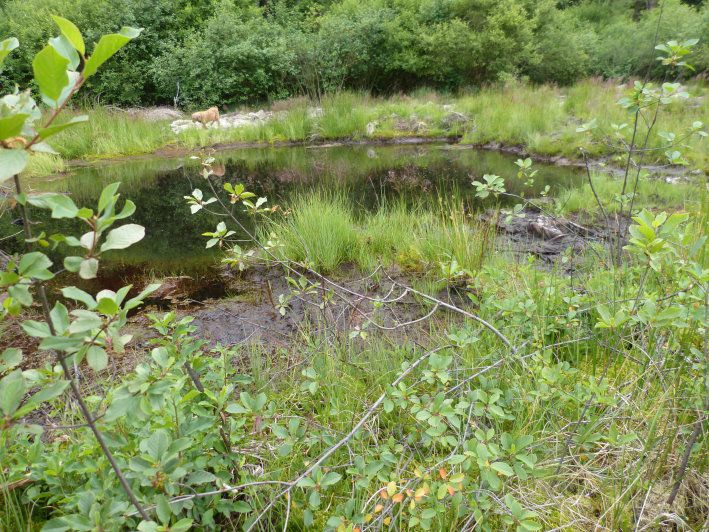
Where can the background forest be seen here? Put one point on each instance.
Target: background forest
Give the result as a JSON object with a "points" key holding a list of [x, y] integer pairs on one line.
{"points": [[235, 52]]}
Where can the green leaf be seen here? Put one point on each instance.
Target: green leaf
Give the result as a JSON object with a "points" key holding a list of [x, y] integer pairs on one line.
{"points": [[36, 329], [530, 525], [11, 126], [35, 265], [71, 32], [64, 48], [147, 526], [162, 508], [77, 294], [123, 237], [183, 525], [73, 264], [11, 357], [106, 47], [43, 147], [53, 130], [201, 477], [120, 406], [128, 210], [12, 390], [235, 408], [503, 468], [49, 68], [21, 293], [97, 358], [137, 300], [12, 162], [108, 195], [60, 317], [85, 321], [107, 306], [88, 268], [7, 46], [156, 445], [330, 479], [60, 343], [429, 513], [240, 507], [55, 525], [306, 482], [50, 392], [314, 499], [62, 206]]}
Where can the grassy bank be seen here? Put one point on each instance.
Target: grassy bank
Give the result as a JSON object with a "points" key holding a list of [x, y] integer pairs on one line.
{"points": [[541, 119]]}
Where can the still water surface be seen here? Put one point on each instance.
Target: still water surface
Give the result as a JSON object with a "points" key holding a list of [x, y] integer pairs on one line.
{"points": [[367, 175]]}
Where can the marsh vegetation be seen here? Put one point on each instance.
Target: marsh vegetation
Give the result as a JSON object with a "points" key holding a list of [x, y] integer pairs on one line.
{"points": [[495, 320]]}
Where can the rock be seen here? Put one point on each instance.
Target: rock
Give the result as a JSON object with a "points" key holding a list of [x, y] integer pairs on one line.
{"points": [[260, 115], [172, 289], [178, 126], [545, 228], [315, 112], [412, 124], [420, 127], [233, 120], [676, 179], [153, 114], [454, 119]]}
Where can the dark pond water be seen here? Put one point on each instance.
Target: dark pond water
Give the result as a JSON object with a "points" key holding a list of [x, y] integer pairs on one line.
{"points": [[173, 244]]}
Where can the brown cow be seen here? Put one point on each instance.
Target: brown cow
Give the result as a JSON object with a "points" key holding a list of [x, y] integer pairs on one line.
{"points": [[206, 117]]}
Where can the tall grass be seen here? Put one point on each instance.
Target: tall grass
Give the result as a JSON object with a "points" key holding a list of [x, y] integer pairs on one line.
{"points": [[652, 193], [543, 119], [345, 115], [112, 134], [513, 114], [43, 164], [14, 515], [323, 231], [453, 235], [320, 231]]}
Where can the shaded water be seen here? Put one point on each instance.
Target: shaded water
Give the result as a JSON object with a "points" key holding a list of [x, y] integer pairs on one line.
{"points": [[368, 175]]}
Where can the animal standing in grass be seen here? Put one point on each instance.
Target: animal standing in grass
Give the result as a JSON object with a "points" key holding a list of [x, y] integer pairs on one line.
{"points": [[207, 117]]}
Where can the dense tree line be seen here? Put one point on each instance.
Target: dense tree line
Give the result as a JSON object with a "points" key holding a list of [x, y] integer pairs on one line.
{"points": [[241, 51]]}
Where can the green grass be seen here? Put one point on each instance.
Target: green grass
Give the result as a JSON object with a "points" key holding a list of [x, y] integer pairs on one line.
{"points": [[653, 193], [111, 134], [43, 164], [320, 231], [543, 119], [323, 231]]}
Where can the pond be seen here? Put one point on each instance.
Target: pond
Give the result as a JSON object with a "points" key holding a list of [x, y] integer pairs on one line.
{"points": [[367, 175]]}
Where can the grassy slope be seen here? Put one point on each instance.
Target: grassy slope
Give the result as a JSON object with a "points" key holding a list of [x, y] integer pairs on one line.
{"points": [[542, 119]]}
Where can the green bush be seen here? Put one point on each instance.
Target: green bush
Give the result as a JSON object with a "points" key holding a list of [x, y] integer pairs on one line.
{"points": [[637, 57], [237, 58], [233, 52]]}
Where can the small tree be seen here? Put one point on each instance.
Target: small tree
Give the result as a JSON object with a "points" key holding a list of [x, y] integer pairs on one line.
{"points": [[90, 333]]}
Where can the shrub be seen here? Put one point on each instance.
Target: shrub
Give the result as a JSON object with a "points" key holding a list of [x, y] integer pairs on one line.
{"points": [[236, 59]]}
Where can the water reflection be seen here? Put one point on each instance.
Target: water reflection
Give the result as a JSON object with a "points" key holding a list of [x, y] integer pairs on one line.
{"points": [[173, 244]]}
